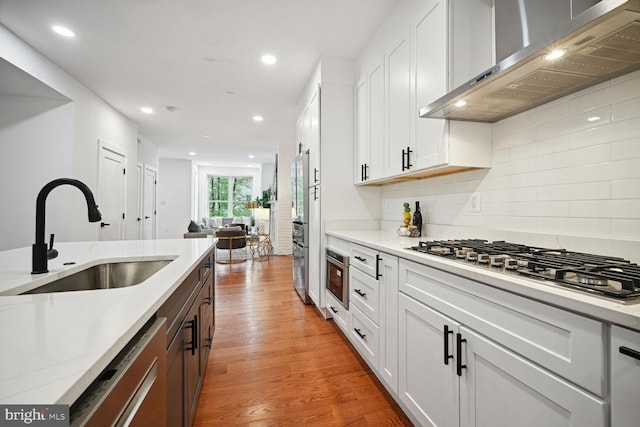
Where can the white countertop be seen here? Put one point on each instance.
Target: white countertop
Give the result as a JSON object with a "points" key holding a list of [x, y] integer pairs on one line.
{"points": [[596, 307], [54, 345]]}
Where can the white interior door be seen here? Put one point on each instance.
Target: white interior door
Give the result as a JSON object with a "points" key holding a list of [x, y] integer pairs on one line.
{"points": [[112, 167], [149, 203], [139, 199]]}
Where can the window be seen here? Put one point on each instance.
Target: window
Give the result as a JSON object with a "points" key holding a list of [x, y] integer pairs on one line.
{"points": [[228, 195]]}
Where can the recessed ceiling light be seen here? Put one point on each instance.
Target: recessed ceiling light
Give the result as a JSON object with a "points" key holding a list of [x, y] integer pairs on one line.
{"points": [[192, 153], [258, 118], [206, 136], [146, 110], [251, 156], [269, 59], [555, 54], [63, 31], [460, 103], [593, 119]]}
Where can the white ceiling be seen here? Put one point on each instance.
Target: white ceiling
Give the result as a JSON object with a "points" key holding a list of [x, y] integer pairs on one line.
{"points": [[201, 57]]}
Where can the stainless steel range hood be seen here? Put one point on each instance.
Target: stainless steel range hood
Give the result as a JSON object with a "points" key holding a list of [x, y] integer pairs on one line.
{"points": [[599, 43]]}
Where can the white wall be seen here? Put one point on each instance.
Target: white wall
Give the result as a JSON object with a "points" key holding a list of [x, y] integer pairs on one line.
{"points": [[174, 198], [148, 152], [62, 142], [554, 173]]}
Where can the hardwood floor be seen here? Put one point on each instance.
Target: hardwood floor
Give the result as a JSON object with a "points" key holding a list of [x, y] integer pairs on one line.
{"points": [[277, 362]]}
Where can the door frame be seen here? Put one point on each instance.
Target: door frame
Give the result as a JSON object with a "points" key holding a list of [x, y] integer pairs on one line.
{"points": [[106, 146]]}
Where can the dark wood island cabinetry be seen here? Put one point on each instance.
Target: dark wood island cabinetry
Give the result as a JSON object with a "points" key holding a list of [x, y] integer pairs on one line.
{"points": [[190, 326]]}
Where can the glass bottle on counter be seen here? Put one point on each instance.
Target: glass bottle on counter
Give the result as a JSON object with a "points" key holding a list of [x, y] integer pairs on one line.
{"points": [[417, 219]]}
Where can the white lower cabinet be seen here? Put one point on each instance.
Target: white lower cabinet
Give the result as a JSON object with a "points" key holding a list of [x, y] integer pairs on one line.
{"points": [[428, 387], [453, 376], [373, 304], [450, 374], [625, 377], [501, 389]]}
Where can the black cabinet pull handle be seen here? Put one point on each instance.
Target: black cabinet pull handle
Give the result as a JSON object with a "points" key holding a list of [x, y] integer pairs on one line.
{"points": [[360, 334], [378, 259], [359, 292], [147, 217], [333, 309], [315, 175], [139, 219], [409, 151], [459, 365], [403, 163], [447, 356], [104, 224], [359, 258], [194, 334], [362, 172], [630, 352], [191, 324]]}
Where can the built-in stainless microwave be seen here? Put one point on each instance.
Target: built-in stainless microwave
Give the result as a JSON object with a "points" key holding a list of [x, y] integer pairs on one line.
{"points": [[338, 276]]}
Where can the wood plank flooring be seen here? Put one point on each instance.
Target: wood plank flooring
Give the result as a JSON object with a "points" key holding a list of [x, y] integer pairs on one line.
{"points": [[277, 362]]}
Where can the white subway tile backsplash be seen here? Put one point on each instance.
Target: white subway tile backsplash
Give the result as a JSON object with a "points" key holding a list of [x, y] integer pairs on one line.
{"points": [[626, 110], [592, 172], [575, 226], [625, 229], [626, 189], [555, 177], [580, 191], [624, 169], [625, 149]]}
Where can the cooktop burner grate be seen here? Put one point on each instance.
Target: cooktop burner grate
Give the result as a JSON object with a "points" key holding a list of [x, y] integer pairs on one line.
{"points": [[607, 276]]}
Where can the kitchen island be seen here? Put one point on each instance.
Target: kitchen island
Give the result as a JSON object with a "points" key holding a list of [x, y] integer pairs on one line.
{"points": [[54, 345]]}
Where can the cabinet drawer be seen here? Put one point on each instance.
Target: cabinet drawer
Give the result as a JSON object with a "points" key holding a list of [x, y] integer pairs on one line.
{"points": [[364, 336], [364, 259], [341, 315], [565, 343], [364, 293]]}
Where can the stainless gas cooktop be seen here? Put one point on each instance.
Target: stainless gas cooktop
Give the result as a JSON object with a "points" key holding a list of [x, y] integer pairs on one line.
{"points": [[609, 277]]}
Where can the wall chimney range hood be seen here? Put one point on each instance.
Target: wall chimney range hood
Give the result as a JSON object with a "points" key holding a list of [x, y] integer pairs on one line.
{"points": [[594, 44]]}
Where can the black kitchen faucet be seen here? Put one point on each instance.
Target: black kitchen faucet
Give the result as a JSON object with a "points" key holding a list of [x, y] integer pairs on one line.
{"points": [[41, 254]]}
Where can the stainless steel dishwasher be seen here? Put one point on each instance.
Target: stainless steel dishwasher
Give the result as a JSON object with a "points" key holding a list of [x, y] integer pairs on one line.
{"points": [[131, 391]]}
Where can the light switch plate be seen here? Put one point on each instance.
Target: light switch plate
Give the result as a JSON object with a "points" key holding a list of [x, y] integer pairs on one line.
{"points": [[474, 203]]}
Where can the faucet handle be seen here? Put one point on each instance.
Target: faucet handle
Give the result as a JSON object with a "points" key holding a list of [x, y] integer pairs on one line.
{"points": [[51, 253]]}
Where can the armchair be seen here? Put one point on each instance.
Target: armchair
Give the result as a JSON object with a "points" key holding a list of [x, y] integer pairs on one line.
{"points": [[230, 240]]}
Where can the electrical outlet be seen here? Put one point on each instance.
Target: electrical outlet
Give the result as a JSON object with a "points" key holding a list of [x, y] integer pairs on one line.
{"points": [[474, 203]]}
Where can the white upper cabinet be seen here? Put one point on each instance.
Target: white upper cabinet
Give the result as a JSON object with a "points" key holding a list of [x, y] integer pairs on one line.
{"points": [[428, 47], [398, 84]]}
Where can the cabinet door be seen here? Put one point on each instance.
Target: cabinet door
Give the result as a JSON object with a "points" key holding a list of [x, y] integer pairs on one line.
{"points": [[501, 389], [388, 321], [427, 386], [430, 35], [625, 377], [206, 328], [191, 363], [376, 128], [313, 137], [361, 128], [314, 246], [398, 102], [175, 382]]}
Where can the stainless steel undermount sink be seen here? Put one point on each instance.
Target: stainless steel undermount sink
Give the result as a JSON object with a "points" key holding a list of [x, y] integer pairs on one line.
{"points": [[104, 276]]}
